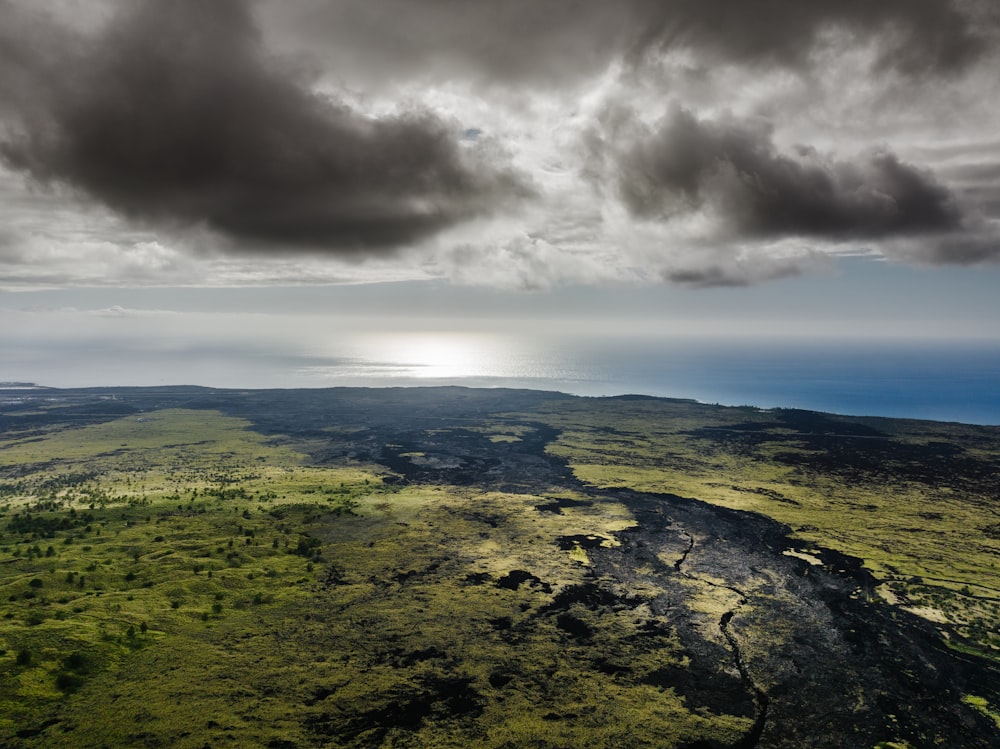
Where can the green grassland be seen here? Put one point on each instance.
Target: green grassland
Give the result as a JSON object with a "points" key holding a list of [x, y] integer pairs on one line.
{"points": [[917, 501], [177, 579]]}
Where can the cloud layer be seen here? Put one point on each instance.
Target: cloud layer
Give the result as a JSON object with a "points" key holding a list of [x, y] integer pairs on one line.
{"points": [[733, 170], [502, 142], [175, 116], [527, 42]]}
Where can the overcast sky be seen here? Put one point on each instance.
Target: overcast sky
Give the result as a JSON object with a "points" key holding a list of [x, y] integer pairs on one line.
{"points": [[560, 152]]}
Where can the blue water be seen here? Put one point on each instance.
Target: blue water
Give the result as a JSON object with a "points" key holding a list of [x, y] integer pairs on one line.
{"points": [[939, 380], [927, 380], [946, 382]]}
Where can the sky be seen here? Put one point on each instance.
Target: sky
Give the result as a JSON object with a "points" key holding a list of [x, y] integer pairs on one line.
{"points": [[271, 174]]}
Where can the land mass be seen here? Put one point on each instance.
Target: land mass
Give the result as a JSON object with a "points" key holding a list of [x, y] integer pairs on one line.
{"points": [[444, 567]]}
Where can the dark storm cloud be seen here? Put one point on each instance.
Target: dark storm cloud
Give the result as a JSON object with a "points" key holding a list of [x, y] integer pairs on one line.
{"points": [[525, 40], [978, 183], [734, 170], [199, 121], [913, 35], [175, 115], [29, 43], [519, 41], [977, 246], [741, 273]]}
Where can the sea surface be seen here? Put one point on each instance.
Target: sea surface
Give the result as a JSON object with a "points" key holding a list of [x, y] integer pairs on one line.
{"points": [[943, 381], [946, 381]]}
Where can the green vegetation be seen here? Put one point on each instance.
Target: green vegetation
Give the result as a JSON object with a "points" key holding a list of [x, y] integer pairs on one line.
{"points": [[179, 580], [917, 501], [418, 570], [152, 541], [982, 705]]}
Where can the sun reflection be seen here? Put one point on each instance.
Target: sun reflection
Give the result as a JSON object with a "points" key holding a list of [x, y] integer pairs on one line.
{"points": [[437, 355]]}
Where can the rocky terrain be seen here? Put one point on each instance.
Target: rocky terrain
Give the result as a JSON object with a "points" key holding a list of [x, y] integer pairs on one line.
{"points": [[503, 568]]}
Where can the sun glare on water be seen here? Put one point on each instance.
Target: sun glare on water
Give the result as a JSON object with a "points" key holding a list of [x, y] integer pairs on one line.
{"points": [[392, 358], [440, 355], [435, 356]]}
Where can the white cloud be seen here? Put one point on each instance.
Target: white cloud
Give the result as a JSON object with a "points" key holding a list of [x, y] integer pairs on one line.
{"points": [[540, 86]]}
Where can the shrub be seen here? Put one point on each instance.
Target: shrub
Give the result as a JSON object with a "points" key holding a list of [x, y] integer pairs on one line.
{"points": [[68, 682], [75, 662]]}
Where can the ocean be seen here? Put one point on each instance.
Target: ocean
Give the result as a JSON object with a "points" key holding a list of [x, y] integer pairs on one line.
{"points": [[940, 380], [944, 381]]}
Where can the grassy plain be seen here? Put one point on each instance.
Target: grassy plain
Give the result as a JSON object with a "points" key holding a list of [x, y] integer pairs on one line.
{"points": [[176, 579], [917, 501]]}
